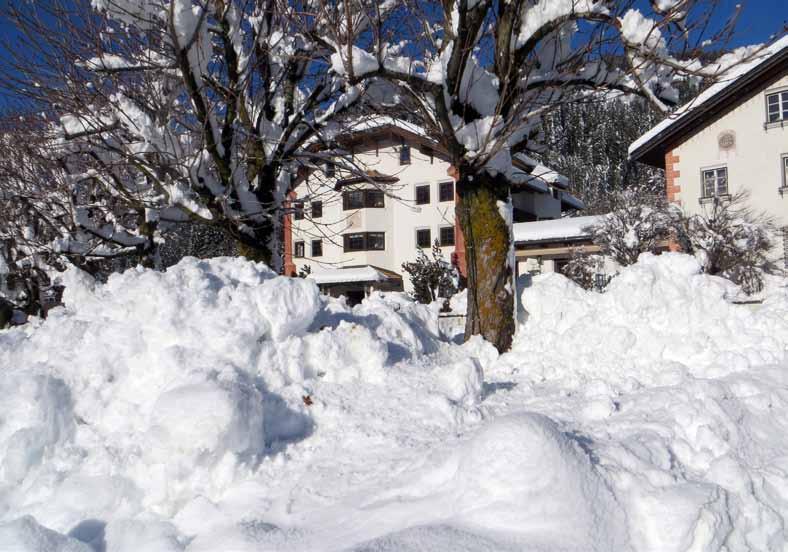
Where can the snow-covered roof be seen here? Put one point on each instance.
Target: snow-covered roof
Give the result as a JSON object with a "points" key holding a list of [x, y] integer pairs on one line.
{"points": [[559, 229], [714, 92], [572, 201], [371, 123], [540, 176], [348, 275]]}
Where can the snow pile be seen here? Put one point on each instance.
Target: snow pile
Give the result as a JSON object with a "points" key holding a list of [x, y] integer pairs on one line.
{"points": [[219, 407], [158, 387], [658, 321], [677, 395]]}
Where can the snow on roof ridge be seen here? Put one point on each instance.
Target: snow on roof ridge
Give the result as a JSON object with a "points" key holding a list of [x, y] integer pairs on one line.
{"points": [[566, 227], [737, 72]]}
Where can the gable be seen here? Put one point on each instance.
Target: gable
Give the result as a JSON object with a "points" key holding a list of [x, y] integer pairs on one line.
{"points": [[754, 79]]}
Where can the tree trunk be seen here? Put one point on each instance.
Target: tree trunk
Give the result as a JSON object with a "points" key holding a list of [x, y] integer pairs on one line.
{"points": [[487, 253], [255, 248]]}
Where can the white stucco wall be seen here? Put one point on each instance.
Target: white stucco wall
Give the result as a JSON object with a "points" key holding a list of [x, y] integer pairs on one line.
{"points": [[398, 220], [754, 163]]}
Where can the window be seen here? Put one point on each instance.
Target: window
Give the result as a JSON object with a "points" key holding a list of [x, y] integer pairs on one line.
{"points": [[298, 209], [374, 199], [353, 199], [299, 249], [559, 265], [446, 191], [785, 171], [359, 199], [715, 182], [376, 241], [423, 194], [785, 246], [777, 107], [355, 242], [404, 155], [423, 237], [447, 235], [330, 169], [317, 248], [317, 209], [364, 241]]}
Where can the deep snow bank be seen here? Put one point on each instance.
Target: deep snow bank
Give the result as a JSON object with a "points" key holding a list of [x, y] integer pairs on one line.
{"points": [[658, 320], [169, 412], [680, 396], [158, 387]]}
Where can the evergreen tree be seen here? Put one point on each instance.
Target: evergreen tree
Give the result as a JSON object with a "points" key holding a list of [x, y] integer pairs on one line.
{"points": [[432, 278]]}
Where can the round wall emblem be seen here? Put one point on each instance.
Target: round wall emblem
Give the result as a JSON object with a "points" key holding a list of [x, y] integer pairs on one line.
{"points": [[727, 139]]}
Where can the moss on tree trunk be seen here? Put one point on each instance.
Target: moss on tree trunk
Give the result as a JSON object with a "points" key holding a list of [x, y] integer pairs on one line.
{"points": [[251, 252], [487, 249]]}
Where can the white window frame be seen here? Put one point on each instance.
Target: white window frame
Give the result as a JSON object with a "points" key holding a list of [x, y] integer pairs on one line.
{"points": [[782, 106], [716, 170], [784, 171]]}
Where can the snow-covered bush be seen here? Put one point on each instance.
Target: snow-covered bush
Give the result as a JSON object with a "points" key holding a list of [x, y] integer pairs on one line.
{"points": [[587, 270], [431, 278], [732, 241], [639, 222]]}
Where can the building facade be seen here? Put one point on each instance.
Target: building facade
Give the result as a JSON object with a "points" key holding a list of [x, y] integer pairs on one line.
{"points": [[733, 138], [352, 233]]}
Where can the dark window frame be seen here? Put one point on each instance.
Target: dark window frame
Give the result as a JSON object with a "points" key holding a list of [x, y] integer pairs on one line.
{"points": [[445, 194], [370, 198], [421, 187], [330, 169], [298, 210], [368, 241], [404, 155], [316, 209], [453, 236], [419, 234], [299, 245], [319, 248]]}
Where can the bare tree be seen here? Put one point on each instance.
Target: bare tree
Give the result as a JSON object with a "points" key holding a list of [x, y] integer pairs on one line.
{"points": [[188, 111], [482, 74], [54, 216]]}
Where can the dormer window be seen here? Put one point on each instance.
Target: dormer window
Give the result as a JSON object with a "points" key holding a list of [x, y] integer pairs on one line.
{"points": [[777, 107]]}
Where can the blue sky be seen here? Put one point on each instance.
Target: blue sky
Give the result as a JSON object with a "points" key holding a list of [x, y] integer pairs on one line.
{"points": [[759, 19]]}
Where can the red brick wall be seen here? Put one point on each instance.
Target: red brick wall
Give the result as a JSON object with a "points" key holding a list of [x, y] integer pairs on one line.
{"points": [[672, 174], [459, 239], [290, 267]]}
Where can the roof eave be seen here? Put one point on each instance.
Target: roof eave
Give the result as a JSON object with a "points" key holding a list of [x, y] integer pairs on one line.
{"points": [[653, 152]]}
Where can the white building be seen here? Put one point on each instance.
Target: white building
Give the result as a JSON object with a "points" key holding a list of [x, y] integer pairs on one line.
{"points": [[355, 233], [732, 138], [548, 245]]}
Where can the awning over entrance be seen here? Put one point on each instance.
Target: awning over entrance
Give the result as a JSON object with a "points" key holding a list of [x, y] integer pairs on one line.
{"points": [[355, 282]]}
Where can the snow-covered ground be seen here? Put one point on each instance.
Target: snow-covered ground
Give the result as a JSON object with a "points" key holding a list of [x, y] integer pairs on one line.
{"points": [[216, 407]]}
